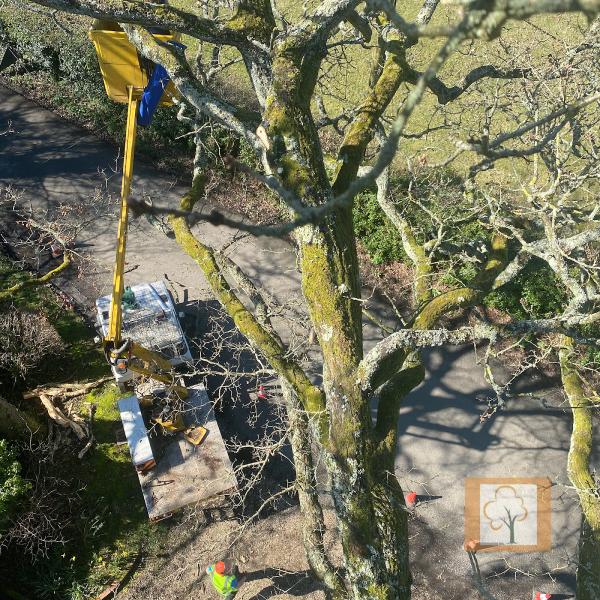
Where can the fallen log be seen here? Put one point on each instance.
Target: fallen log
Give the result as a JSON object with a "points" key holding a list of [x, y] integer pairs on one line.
{"points": [[65, 390], [57, 415], [16, 423]]}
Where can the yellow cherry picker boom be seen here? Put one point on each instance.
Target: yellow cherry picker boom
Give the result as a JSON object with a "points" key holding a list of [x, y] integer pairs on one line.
{"points": [[121, 351], [131, 79]]}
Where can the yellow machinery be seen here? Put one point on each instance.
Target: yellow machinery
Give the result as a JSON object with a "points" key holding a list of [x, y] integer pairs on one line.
{"points": [[125, 75], [121, 65]]}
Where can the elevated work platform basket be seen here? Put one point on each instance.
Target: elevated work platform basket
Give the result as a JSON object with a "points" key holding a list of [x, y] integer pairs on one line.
{"points": [[120, 63]]}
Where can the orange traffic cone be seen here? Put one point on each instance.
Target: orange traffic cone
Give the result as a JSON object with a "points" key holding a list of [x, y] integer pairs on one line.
{"points": [[542, 596], [411, 499]]}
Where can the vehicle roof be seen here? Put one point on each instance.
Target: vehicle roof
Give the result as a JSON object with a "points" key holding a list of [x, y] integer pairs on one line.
{"points": [[153, 323]]}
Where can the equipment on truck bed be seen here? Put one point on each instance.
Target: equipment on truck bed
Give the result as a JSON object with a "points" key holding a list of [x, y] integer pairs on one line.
{"points": [[196, 435], [192, 466], [149, 318]]}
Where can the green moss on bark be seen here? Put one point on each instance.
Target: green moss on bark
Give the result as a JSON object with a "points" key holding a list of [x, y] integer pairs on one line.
{"points": [[254, 18], [467, 296], [246, 323], [578, 468], [360, 133]]}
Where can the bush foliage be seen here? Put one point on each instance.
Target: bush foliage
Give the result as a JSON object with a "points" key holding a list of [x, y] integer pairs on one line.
{"points": [[27, 340], [420, 198], [379, 237], [535, 293], [12, 484]]}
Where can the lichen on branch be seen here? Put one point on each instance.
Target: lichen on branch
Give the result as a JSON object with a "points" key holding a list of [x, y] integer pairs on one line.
{"points": [[10, 292], [270, 346]]}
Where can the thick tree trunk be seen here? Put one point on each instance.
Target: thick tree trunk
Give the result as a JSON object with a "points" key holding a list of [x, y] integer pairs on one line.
{"points": [[588, 568], [10, 292], [313, 523], [373, 530], [578, 468], [392, 525]]}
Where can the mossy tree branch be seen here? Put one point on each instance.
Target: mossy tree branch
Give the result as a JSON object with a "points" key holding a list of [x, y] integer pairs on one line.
{"points": [[416, 252], [467, 296], [313, 527], [395, 70], [580, 474], [237, 33], [394, 364], [10, 292], [270, 346], [391, 395], [384, 360], [255, 19]]}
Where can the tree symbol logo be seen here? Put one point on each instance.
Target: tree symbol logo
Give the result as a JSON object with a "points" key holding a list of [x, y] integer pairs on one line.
{"points": [[505, 510]]}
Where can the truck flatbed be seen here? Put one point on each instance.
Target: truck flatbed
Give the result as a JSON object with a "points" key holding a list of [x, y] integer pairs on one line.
{"points": [[185, 474]]}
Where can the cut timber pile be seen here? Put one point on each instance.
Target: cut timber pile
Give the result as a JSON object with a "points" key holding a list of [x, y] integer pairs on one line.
{"points": [[49, 395]]}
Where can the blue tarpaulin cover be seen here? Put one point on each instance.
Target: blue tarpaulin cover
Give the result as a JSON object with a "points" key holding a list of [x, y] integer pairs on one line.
{"points": [[152, 94], [154, 90]]}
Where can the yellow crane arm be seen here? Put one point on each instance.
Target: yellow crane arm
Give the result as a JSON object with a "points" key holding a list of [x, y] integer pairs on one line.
{"points": [[115, 321], [113, 344]]}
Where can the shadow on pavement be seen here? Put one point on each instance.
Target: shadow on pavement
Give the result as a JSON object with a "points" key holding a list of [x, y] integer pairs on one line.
{"points": [[299, 583]]}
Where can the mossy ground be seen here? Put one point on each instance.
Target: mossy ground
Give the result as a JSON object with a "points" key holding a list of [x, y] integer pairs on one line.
{"points": [[110, 525]]}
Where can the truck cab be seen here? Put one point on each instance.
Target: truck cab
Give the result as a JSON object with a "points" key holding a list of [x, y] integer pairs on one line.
{"points": [[150, 320]]}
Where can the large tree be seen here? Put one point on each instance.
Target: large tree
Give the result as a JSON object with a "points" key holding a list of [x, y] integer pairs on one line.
{"points": [[537, 111]]}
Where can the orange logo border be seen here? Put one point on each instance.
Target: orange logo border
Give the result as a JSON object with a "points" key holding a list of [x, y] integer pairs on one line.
{"points": [[472, 514]]}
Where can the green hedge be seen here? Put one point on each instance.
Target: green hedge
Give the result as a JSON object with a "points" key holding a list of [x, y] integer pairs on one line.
{"points": [[534, 293], [59, 68], [12, 484], [379, 237], [439, 192]]}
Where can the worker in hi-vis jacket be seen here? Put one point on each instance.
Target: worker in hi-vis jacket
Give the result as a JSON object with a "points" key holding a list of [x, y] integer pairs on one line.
{"points": [[223, 579]]}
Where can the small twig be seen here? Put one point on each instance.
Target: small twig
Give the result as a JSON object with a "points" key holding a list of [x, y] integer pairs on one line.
{"points": [[91, 440]]}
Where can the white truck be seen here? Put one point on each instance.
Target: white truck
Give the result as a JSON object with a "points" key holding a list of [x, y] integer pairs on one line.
{"points": [[150, 320]]}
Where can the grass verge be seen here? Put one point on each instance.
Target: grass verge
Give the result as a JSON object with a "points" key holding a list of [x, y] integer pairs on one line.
{"points": [[108, 526]]}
